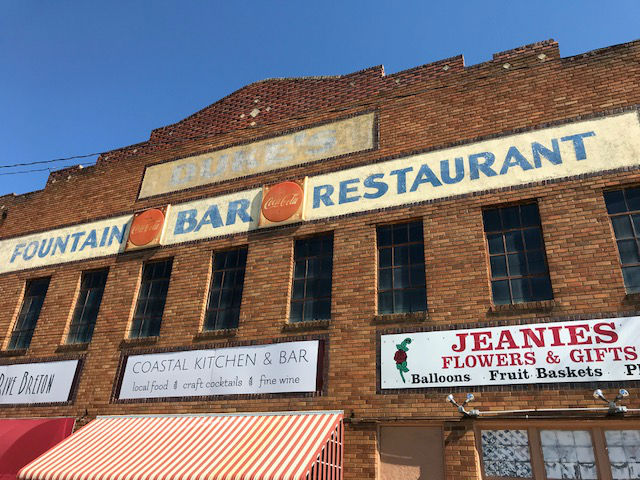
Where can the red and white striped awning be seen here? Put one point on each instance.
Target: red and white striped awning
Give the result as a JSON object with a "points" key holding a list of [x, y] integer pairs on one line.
{"points": [[274, 446]]}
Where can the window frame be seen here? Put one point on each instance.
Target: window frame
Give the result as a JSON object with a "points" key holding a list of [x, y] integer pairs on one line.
{"points": [[212, 271], [628, 213], [505, 253], [141, 282], [28, 283], [322, 255], [393, 266], [595, 427], [75, 307]]}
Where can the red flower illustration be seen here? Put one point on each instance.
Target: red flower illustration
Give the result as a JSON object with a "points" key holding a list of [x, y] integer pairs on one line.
{"points": [[400, 356]]}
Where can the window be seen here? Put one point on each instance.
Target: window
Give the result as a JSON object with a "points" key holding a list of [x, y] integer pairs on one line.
{"points": [[505, 453], [568, 454], [29, 313], [87, 306], [624, 453], [519, 271], [401, 272], [153, 293], [313, 265], [225, 294], [624, 210], [557, 453]]}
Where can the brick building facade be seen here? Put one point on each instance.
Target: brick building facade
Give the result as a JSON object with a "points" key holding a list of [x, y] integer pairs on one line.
{"points": [[575, 185]]}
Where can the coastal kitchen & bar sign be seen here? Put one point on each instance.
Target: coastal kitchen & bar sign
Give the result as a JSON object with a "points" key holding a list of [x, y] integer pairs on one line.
{"points": [[577, 351], [289, 367]]}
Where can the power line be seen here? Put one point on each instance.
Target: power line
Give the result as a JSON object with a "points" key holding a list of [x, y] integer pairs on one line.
{"points": [[33, 170], [61, 159]]}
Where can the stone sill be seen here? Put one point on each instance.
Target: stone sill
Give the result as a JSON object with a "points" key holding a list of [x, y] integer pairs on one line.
{"points": [[13, 353], [301, 326], [138, 342], [401, 317], [524, 307], [213, 334], [72, 347]]}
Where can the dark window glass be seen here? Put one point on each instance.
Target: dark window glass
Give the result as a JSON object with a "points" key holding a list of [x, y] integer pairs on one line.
{"points": [[519, 271], [624, 210], [153, 293], [87, 306], [401, 272], [225, 294], [29, 313], [311, 292]]}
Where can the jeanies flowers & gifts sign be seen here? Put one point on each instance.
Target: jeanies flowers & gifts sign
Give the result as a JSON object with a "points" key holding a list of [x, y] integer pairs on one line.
{"points": [[559, 352]]}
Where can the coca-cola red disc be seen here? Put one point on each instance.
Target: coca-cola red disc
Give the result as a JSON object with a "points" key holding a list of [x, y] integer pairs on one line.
{"points": [[282, 201]]}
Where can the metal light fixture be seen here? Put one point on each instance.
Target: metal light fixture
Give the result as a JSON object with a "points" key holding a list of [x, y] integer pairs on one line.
{"points": [[461, 409], [614, 408]]}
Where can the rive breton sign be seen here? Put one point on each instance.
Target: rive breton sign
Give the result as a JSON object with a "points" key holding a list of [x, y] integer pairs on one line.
{"points": [[567, 150], [289, 367], [43, 382], [330, 140], [577, 351]]}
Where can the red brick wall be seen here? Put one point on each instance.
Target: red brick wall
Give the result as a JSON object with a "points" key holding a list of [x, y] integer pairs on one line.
{"points": [[427, 107]]}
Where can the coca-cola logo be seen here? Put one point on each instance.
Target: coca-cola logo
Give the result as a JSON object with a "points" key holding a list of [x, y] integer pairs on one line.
{"points": [[146, 227], [282, 201]]}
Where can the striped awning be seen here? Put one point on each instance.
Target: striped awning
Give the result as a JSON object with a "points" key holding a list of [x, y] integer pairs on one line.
{"points": [[274, 446]]}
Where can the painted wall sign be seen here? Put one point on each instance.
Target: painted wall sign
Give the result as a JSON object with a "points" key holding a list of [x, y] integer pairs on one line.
{"points": [[147, 228], [45, 382], [326, 141], [283, 202], [276, 368], [567, 150], [78, 242], [576, 351]]}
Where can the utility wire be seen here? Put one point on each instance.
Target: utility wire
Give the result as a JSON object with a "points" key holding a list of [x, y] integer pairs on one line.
{"points": [[61, 159], [35, 170]]}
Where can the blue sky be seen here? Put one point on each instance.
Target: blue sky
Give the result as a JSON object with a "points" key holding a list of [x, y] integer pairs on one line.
{"points": [[84, 76]]}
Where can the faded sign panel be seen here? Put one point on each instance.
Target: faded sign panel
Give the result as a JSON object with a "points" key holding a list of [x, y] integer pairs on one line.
{"points": [[69, 244], [326, 141]]}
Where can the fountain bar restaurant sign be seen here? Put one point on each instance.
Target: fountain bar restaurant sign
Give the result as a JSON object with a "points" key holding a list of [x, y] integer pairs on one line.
{"points": [[338, 138], [45, 382], [556, 152], [577, 351], [290, 367]]}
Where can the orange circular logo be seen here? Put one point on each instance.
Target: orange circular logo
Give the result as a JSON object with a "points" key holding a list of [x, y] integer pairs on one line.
{"points": [[282, 201], [146, 227]]}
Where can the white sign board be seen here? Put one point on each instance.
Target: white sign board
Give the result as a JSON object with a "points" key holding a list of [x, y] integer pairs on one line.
{"points": [[275, 368], [552, 153], [577, 351], [46, 382]]}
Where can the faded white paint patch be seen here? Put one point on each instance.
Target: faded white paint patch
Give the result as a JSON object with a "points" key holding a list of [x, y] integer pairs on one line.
{"points": [[337, 138]]}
